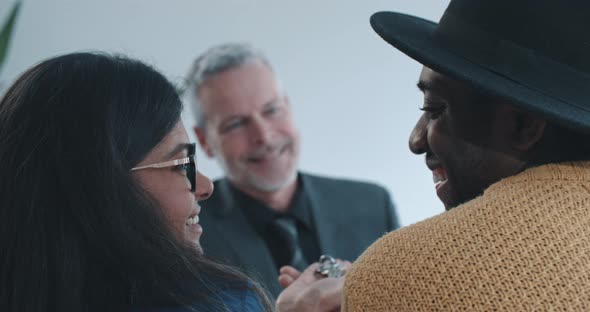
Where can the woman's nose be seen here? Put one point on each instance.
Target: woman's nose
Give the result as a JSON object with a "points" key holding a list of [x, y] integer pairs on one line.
{"points": [[204, 187]]}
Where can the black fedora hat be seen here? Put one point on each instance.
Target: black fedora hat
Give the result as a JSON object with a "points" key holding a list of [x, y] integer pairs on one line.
{"points": [[535, 53]]}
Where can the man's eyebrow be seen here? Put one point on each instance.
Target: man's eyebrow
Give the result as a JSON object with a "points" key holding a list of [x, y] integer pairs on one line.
{"points": [[422, 85], [179, 148], [266, 105], [433, 85], [228, 118], [272, 102]]}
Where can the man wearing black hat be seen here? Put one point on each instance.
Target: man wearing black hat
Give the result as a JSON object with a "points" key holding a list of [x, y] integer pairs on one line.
{"points": [[505, 133]]}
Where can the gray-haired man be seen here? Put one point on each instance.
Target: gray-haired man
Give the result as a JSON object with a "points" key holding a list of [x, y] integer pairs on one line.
{"points": [[265, 214]]}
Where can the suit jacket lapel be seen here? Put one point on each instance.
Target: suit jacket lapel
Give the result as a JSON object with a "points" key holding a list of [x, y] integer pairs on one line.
{"points": [[328, 219], [248, 247]]}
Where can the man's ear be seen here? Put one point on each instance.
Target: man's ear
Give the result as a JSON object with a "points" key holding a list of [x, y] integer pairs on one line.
{"points": [[200, 133], [525, 129]]}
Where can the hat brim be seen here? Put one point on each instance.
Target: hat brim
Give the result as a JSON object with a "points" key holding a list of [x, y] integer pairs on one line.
{"points": [[414, 37]]}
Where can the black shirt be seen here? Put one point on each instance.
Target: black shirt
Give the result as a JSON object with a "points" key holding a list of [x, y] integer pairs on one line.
{"points": [[260, 216]]}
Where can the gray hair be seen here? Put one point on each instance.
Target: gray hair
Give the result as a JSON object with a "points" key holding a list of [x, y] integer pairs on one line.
{"points": [[212, 62]]}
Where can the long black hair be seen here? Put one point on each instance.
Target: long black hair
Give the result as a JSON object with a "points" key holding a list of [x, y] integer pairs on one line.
{"points": [[77, 233]]}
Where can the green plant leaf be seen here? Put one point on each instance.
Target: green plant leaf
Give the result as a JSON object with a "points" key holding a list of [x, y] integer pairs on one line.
{"points": [[6, 32]]}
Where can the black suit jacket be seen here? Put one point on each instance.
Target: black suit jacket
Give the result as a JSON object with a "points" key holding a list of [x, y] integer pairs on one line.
{"points": [[348, 217]]}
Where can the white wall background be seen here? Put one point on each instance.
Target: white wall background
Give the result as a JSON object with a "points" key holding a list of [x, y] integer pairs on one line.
{"points": [[354, 96]]}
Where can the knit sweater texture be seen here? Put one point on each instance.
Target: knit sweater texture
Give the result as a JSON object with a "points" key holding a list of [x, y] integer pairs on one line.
{"points": [[523, 245]]}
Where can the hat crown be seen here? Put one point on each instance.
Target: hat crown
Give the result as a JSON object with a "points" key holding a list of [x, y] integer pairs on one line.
{"points": [[533, 53], [556, 29]]}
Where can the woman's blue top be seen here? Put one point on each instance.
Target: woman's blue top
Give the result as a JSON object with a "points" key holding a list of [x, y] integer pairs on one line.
{"points": [[228, 299]]}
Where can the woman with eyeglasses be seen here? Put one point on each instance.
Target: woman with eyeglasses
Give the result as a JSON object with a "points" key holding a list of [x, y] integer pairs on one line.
{"points": [[98, 196]]}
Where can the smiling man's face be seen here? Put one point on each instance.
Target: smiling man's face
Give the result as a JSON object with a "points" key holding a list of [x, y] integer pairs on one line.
{"points": [[463, 136], [249, 128]]}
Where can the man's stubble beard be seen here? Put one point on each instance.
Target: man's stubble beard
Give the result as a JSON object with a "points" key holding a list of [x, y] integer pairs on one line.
{"points": [[261, 183]]}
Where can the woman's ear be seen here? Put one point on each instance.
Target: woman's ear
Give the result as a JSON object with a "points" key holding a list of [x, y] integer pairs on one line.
{"points": [[524, 129]]}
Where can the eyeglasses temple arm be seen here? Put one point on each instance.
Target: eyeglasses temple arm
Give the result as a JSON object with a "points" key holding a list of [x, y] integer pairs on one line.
{"points": [[169, 163]]}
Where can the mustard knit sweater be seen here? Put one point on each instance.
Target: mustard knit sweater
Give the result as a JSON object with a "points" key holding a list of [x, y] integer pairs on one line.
{"points": [[524, 245]]}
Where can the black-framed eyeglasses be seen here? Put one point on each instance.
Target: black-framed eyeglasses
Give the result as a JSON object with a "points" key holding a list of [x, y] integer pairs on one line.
{"points": [[188, 164]]}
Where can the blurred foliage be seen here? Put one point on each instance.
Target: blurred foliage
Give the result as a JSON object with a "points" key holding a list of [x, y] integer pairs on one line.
{"points": [[6, 32]]}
